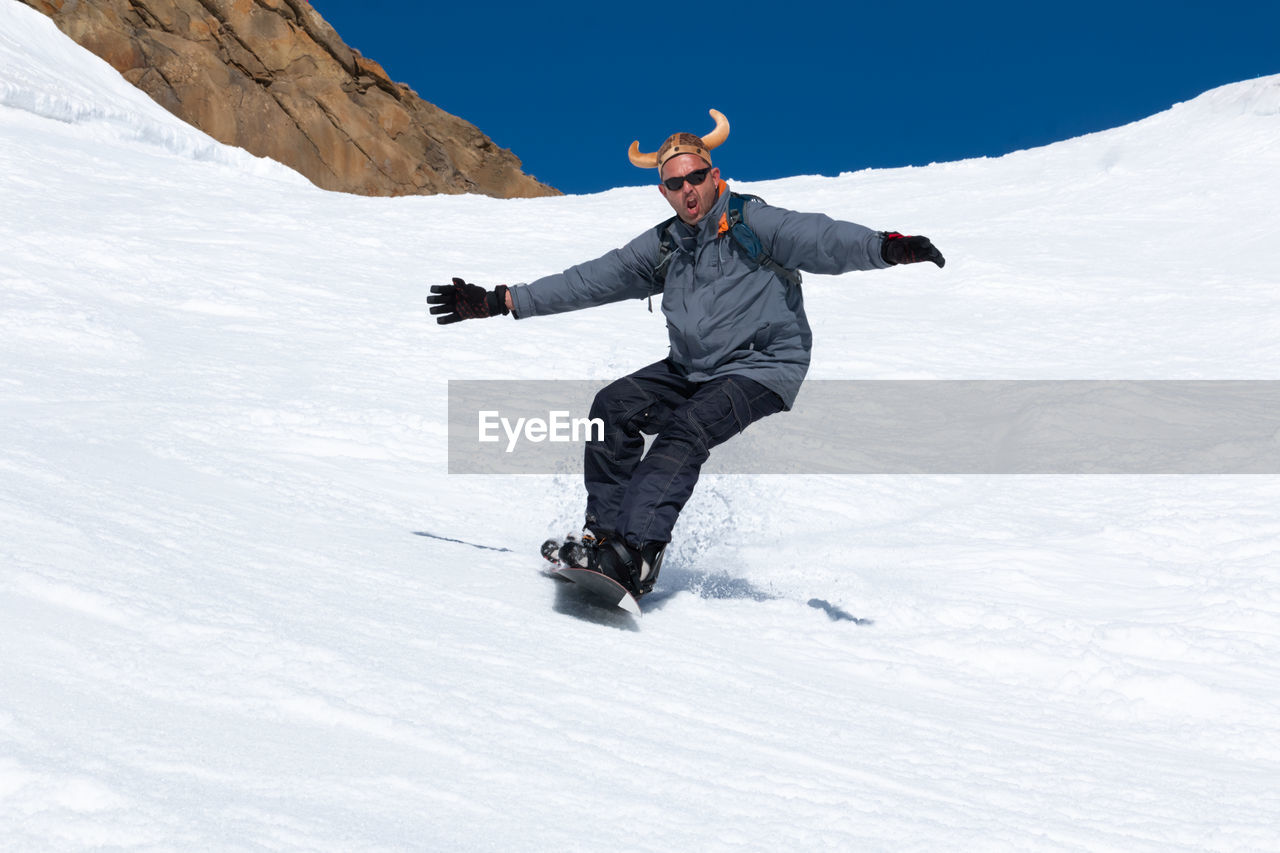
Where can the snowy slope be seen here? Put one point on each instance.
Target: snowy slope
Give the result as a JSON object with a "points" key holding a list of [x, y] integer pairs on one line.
{"points": [[223, 425]]}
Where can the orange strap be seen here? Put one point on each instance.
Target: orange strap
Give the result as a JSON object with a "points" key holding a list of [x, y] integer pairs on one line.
{"points": [[724, 217]]}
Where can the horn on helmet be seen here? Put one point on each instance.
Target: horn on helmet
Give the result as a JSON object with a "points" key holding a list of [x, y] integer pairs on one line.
{"points": [[717, 135], [644, 161]]}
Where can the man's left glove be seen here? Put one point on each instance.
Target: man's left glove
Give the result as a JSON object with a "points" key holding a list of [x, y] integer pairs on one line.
{"points": [[461, 301], [898, 249]]}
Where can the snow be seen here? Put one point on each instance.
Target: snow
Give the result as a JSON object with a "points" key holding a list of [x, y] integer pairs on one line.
{"points": [[224, 423]]}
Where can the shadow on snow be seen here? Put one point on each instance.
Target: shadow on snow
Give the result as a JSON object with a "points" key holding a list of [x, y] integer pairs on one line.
{"points": [[573, 600], [674, 580], [724, 586]]}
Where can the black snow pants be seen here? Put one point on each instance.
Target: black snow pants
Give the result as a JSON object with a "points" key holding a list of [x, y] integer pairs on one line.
{"points": [[640, 499]]}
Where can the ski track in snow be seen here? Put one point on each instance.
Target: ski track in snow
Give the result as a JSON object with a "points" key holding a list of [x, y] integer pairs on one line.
{"points": [[224, 422]]}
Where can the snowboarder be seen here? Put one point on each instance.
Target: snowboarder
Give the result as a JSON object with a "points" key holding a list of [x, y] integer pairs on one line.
{"points": [[725, 266]]}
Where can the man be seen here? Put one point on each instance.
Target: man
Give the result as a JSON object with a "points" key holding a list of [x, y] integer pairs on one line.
{"points": [[740, 341]]}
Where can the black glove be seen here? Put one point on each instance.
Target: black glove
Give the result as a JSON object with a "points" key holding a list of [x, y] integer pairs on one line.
{"points": [[899, 249], [461, 301]]}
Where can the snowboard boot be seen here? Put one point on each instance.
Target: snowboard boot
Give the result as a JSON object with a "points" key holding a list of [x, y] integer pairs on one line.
{"points": [[635, 568]]}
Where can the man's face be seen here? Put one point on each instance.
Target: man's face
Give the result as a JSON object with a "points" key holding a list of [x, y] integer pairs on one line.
{"points": [[689, 202]]}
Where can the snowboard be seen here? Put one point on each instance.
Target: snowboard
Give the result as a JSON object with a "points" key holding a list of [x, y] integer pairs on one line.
{"points": [[600, 587]]}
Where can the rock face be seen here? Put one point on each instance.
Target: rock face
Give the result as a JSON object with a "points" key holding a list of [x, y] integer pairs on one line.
{"points": [[272, 77]]}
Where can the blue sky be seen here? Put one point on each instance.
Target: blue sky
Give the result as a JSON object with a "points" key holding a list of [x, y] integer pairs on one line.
{"points": [[809, 88]]}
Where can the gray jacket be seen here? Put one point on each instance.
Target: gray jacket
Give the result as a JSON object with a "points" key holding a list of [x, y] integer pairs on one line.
{"points": [[725, 315]]}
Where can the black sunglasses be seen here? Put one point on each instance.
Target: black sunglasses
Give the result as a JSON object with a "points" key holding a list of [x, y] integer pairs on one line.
{"points": [[694, 178]]}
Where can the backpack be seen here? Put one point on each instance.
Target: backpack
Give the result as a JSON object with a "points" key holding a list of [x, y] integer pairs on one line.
{"points": [[736, 224]]}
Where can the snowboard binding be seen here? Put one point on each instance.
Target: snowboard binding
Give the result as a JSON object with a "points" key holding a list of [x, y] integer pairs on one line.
{"points": [[635, 569], [573, 552]]}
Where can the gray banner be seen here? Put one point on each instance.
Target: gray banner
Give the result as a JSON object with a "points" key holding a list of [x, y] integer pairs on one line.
{"points": [[911, 427]]}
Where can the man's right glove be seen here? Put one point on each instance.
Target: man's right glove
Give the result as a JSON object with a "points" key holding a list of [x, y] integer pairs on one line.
{"points": [[461, 301], [898, 249]]}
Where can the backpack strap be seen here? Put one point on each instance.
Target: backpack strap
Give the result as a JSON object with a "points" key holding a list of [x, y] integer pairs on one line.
{"points": [[666, 248], [735, 223]]}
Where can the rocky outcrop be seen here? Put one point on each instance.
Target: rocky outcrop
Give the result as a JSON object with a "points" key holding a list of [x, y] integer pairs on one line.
{"points": [[272, 77]]}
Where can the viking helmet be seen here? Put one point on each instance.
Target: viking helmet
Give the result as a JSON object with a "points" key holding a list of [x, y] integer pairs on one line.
{"points": [[682, 143]]}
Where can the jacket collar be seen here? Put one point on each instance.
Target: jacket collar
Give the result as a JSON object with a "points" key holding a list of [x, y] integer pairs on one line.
{"points": [[708, 227]]}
